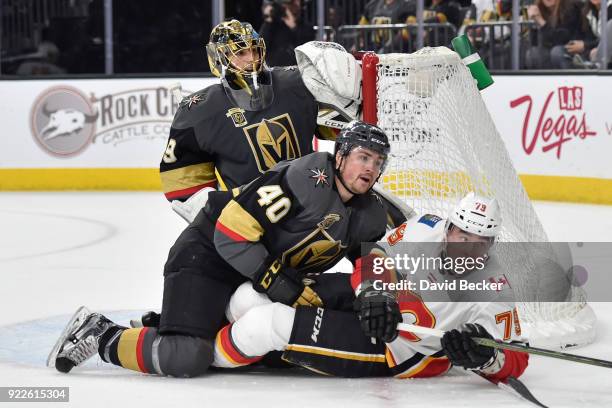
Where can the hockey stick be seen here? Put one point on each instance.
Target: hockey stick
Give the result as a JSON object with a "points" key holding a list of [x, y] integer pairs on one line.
{"points": [[542, 352], [516, 387], [176, 89], [498, 344], [513, 385]]}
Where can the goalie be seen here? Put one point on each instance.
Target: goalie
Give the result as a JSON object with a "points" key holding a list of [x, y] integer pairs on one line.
{"points": [[227, 134]]}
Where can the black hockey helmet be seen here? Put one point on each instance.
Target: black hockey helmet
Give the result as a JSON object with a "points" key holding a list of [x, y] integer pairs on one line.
{"points": [[358, 133]]}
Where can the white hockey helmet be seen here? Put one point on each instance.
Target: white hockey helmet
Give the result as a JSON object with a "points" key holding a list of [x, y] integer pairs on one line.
{"points": [[477, 214]]}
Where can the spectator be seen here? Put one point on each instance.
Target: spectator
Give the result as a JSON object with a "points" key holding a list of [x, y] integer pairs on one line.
{"points": [[334, 20], [45, 62], [494, 44], [591, 20], [561, 34], [385, 12], [439, 12], [283, 30], [442, 11], [485, 11]]}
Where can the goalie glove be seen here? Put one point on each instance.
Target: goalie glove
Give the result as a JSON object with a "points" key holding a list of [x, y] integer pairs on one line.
{"points": [[332, 75], [190, 208], [284, 285], [379, 314], [462, 351]]}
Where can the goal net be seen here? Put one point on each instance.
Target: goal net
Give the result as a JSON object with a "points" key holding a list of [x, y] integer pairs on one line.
{"points": [[444, 145]]}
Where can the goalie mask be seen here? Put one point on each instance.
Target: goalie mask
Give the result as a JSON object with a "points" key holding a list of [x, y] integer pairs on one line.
{"points": [[236, 54]]}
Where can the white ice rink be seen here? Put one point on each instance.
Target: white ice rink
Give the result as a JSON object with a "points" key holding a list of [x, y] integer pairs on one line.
{"points": [[107, 250]]}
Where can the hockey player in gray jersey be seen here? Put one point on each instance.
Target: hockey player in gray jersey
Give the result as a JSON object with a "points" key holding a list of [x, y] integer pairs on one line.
{"points": [[278, 232], [333, 342]]}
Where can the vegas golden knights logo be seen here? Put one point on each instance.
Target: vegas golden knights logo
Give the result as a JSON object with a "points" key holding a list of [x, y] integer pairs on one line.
{"points": [[317, 249], [273, 140], [237, 116]]}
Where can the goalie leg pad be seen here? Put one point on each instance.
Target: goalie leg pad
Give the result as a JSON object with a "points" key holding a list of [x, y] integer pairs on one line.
{"points": [[331, 342], [189, 209]]}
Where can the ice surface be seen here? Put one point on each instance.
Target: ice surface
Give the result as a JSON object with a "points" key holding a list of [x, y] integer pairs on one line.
{"points": [[107, 250]]}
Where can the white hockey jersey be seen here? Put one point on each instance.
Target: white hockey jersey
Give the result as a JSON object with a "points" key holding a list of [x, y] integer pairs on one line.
{"points": [[423, 236], [413, 355]]}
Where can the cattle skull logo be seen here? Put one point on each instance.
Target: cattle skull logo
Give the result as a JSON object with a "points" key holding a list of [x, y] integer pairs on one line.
{"points": [[63, 121]]}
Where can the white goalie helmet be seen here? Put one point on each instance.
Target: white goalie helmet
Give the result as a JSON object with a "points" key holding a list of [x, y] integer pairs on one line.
{"points": [[477, 214]]}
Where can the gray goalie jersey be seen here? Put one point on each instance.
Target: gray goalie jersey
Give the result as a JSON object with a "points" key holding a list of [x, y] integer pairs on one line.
{"points": [[214, 143]]}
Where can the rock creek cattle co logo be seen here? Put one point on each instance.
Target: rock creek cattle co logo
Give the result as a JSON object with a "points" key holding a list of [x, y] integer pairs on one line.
{"points": [[273, 140], [64, 121]]}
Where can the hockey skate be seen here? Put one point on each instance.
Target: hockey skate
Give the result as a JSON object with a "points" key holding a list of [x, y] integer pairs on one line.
{"points": [[149, 319], [79, 340]]}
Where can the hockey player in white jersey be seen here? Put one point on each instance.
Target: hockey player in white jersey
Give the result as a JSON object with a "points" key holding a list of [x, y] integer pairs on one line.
{"points": [[340, 343], [469, 231]]}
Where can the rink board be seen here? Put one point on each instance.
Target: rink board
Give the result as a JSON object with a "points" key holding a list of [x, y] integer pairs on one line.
{"points": [[557, 130]]}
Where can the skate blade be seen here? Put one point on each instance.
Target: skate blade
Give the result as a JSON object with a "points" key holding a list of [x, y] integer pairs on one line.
{"points": [[78, 316]]}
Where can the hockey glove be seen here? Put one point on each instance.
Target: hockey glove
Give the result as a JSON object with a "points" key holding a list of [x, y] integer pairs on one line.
{"points": [[379, 314], [462, 351], [284, 285]]}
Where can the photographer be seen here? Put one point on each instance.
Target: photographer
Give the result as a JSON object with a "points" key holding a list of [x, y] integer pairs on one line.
{"points": [[283, 30]]}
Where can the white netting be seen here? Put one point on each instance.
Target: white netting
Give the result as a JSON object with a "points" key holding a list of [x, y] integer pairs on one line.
{"points": [[445, 144]]}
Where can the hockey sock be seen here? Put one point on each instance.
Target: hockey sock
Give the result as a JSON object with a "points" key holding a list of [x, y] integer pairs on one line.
{"points": [[261, 330], [227, 354], [129, 348]]}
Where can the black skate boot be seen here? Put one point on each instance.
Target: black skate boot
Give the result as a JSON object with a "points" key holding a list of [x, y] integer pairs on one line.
{"points": [[149, 319], [79, 341]]}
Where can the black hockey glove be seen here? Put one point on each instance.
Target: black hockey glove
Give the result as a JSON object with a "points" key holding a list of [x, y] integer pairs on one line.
{"points": [[284, 285], [463, 352], [379, 314]]}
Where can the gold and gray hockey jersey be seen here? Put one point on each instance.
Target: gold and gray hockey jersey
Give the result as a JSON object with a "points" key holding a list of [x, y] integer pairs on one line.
{"points": [[293, 213], [214, 143]]}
